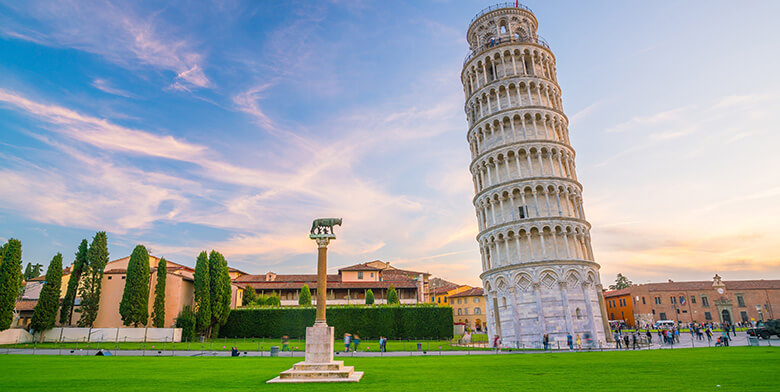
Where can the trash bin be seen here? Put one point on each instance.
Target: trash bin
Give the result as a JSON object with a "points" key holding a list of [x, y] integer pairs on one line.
{"points": [[274, 351], [419, 346], [752, 341]]}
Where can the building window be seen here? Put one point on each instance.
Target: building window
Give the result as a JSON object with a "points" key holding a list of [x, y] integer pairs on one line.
{"points": [[672, 300], [657, 300], [458, 301], [476, 300], [360, 274], [663, 316], [465, 311], [705, 302], [460, 312], [744, 316], [109, 278], [123, 277], [578, 313], [643, 301], [612, 316], [653, 311], [707, 316], [438, 300], [523, 212], [465, 300], [372, 274], [740, 301], [445, 300], [682, 300], [477, 311], [678, 311], [693, 299]]}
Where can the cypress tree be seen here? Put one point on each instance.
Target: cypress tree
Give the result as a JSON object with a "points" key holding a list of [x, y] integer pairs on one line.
{"points": [[45, 311], [249, 296], [220, 289], [369, 297], [134, 307], [97, 258], [158, 315], [305, 298], [392, 296], [202, 292], [73, 283], [28, 272], [10, 281]]}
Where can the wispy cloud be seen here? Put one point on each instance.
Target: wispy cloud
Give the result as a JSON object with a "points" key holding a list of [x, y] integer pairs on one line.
{"points": [[106, 87]]}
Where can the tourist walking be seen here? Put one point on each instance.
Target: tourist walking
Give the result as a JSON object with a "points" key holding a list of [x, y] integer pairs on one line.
{"points": [[355, 342], [496, 342], [285, 340], [649, 337], [546, 341], [617, 340], [382, 344], [570, 341], [347, 341], [625, 340], [708, 332], [579, 342]]}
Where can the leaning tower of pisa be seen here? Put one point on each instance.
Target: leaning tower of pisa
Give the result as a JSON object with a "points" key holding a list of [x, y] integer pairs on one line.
{"points": [[538, 269]]}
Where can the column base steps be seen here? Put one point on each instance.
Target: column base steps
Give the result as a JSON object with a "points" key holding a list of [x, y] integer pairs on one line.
{"points": [[303, 372]]}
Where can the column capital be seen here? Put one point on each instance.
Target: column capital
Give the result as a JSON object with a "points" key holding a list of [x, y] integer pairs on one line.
{"points": [[322, 240]]}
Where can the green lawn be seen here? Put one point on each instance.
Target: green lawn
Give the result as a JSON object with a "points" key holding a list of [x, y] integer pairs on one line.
{"points": [[733, 368], [252, 345]]}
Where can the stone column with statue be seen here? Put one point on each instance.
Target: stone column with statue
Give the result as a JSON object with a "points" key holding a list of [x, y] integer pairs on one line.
{"points": [[318, 364]]}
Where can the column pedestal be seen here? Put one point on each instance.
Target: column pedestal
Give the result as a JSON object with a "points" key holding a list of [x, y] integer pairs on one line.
{"points": [[319, 365]]}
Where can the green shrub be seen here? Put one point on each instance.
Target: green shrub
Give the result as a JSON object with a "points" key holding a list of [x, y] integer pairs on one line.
{"points": [[305, 298], [186, 321], [392, 296], [370, 322], [369, 297]]}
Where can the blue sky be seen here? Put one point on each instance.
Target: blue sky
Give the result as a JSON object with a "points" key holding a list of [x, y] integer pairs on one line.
{"points": [[230, 125]]}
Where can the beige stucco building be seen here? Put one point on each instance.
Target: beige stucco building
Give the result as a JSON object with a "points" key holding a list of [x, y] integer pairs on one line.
{"points": [[179, 292]]}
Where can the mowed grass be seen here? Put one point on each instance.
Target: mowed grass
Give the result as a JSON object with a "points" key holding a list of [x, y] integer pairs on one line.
{"points": [[734, 369], [254, 344]]}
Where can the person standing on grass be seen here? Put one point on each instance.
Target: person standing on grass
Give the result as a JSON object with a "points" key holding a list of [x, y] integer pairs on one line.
{"points": [[347, 341], [382, 344], [356, 342], [285, 340], [677, 335], [734, 330], [579, 342]]}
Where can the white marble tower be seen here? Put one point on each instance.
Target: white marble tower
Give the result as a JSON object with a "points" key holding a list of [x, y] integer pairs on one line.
{"points": [[538, 270]]}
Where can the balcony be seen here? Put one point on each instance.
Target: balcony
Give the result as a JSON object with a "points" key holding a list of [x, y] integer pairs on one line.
{"points": [[537, 40]]}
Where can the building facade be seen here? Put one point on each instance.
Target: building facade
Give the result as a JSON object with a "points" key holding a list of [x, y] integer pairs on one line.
{"points": [[619, 306], [468, 308], [347, 287], [538, 270], [179, 292], [715, 301]]}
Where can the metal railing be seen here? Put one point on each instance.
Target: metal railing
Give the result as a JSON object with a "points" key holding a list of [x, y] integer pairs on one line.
{"points": [[538, 40], [498, 7]]}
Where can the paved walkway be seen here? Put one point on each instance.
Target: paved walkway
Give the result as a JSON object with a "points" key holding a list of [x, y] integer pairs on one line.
{"points": [[685, 342]]}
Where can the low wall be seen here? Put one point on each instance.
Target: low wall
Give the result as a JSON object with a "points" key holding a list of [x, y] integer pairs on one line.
{"points": [[112, 335], [15, 335]]}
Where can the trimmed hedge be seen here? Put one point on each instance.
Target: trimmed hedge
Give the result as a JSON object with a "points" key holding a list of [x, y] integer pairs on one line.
{"points": [[369, 322]]}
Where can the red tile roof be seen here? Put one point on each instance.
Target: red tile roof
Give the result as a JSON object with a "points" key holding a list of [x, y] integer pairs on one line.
{"points": [[475, 292], [707, 285], [26, 305], [360, 267], [617, 293], [331, 285]]}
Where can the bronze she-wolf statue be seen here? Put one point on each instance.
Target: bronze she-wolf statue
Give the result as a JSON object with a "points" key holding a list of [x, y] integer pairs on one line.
{"points": [[324, 225]]}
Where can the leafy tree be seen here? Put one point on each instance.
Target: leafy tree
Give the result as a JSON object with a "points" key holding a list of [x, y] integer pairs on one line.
{"points": [[134, 307], [260, 300], [220, 289], [158, 315], [45, 311], [97, 258], [392, 296], [305, 298], [73, 283], [369, 297], [621, 282], [187, 322], [32, 271], [249, 297], [10, 281], [273, 300], [202, 293]]}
